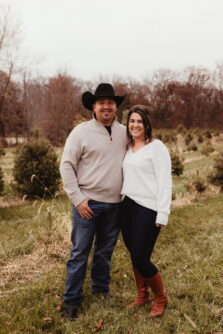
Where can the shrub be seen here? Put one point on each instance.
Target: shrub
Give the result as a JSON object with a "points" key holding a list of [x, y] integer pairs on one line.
{"points": [[208, 134], [192, 146], [189, 137], [199, 184], [1, 181], [189, 187], [207, 149], [200, 138], [174, 196], [2, 152], [174, 138], [195, 131], [217, 176], [36, 171], [159, 135], [35, 133], [181, 129], [169, 138], [166, 136], [177, 164], [196, 183]]}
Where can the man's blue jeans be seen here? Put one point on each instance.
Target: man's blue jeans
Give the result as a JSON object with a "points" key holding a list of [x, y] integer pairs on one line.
{"points": [[104, 226]]}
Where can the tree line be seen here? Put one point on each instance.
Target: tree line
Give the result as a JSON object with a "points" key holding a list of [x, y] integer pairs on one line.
{"points": [[52, 105]]}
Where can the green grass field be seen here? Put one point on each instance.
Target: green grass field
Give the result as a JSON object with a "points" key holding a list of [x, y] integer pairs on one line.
{"points": [[34, 247]]}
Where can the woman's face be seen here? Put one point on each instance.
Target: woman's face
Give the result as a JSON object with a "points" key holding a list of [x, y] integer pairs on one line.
{"points": [[136, 127]]}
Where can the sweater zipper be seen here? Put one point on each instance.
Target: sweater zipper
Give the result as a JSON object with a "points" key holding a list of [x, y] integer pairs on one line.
{"points": [[110, 135]]}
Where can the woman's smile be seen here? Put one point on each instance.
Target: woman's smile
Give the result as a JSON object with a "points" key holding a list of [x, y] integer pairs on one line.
{"points": [[136, 127]]}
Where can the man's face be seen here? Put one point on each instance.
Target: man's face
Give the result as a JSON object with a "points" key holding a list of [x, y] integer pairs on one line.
{"points": [[105, 110]]}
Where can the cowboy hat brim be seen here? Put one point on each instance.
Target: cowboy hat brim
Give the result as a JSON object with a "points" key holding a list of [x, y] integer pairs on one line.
{"points": [[88, 99]]}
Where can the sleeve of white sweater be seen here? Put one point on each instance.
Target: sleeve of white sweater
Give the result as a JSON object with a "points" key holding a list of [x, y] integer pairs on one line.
{"points": [[68, 166], [162, 168]]}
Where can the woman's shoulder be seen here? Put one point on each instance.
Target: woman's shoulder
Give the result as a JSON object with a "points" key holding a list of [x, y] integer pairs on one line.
{"points": [[157, 142], [159, 145]]}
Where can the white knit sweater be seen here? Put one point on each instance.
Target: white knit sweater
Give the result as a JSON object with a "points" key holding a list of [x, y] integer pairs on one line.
{"points": [[147, 178]]}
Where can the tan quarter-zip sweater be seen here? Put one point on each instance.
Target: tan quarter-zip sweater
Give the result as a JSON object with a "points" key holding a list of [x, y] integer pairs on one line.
{"points": [[91, 164]]}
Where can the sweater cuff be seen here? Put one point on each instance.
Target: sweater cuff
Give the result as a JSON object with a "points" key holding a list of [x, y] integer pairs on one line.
{"points": [[77, 199], [162, 218]]}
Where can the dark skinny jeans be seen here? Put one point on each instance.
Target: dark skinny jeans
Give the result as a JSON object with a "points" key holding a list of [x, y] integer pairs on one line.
{"points": [[139, 233]]}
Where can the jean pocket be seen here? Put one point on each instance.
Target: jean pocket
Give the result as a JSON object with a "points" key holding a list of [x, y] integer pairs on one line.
{"points": [[92, 201], [96, 207], [77, 216]]}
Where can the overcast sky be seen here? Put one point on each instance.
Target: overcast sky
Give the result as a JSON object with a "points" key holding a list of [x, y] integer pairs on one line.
{"points": [[89, 38]]}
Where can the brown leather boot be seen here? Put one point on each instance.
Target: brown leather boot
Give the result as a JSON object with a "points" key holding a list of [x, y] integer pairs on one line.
{"points": [[160, 297], [142, 287]]}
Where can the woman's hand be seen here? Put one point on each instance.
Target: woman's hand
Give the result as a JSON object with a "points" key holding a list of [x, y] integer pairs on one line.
{"points": [[158, 225]]}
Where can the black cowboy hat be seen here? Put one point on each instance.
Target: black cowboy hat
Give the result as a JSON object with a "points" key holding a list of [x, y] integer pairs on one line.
{"points": [[104, 90]]}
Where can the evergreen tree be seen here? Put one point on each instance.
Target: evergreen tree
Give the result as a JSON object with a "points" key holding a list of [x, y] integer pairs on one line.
{"points": [[36, 171], [177, 164], [1, 181], [217, 176], [2, 153]]}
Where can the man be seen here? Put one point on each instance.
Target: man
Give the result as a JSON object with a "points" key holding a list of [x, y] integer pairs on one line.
{"points": [[92, 177]]}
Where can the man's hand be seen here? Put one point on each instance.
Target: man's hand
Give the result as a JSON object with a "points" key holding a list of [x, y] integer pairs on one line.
{"points": [[84, 210], [158, 225]]}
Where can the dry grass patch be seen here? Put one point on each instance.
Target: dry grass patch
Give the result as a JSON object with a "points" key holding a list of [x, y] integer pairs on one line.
{"points": [[188, 160], [9, 202], [31, 267]]}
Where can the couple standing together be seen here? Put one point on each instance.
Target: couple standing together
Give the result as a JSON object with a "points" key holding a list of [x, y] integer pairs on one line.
{"points": [[102, 161]]}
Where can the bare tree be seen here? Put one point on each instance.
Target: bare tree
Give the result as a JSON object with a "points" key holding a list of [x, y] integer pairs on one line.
{"points": [[33, 99], [10, 34], [62, 106]]}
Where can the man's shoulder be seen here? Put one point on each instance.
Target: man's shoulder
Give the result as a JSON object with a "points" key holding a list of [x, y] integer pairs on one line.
{"points": [[81, 126], [78, 131]]}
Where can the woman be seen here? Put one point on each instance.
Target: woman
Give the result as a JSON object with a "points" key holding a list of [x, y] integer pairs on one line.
{"points": [[146, 205]]}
